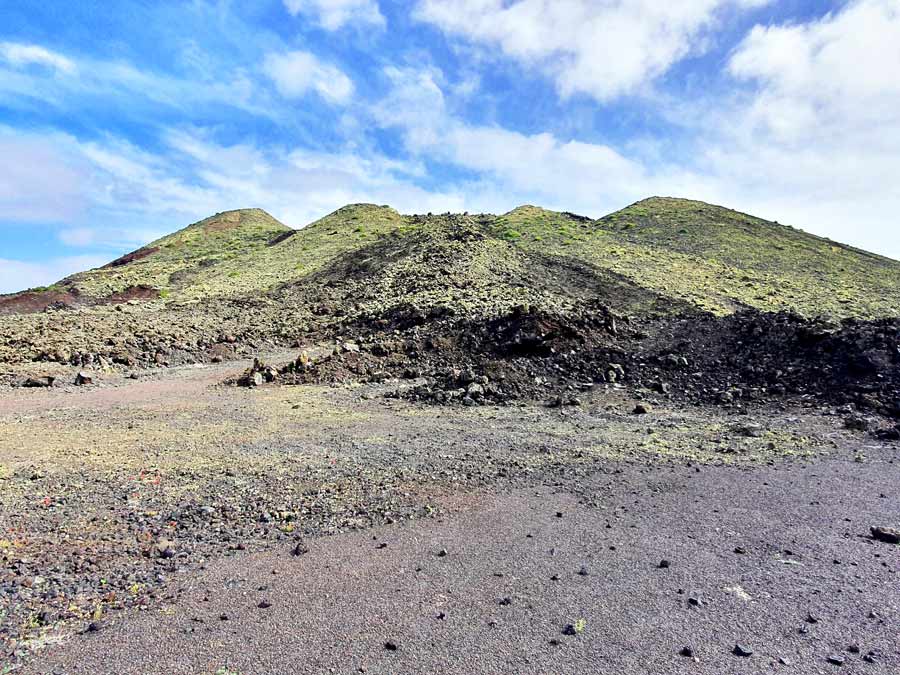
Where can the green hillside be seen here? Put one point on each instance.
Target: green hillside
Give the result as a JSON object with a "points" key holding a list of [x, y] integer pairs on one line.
{"points": [[245, 274], [184, 258], [718, 259]]}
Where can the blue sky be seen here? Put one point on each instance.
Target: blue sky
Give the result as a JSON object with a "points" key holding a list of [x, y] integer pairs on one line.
{"points": [[121, 122]]}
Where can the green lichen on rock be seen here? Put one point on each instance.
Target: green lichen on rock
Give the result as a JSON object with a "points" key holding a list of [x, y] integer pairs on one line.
{"points": [[179, 260], [244, 274], [720, 260]]}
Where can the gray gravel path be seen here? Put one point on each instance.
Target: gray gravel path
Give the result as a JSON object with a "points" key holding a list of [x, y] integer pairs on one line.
{"points": [[776, 559]]}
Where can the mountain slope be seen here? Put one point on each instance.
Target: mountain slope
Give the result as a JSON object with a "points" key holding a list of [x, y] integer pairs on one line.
{"points": [[245, 276], [718, 259], [163, 267], [293, 258], [451, 266]]}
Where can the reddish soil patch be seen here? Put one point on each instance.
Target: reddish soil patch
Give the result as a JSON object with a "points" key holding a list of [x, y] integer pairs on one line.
{"points": [[225, 221], [140, 292], [131, 257], [30, 302]]}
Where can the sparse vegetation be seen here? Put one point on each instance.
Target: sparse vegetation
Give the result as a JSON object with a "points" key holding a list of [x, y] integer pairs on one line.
{"points": [[659, 255]]}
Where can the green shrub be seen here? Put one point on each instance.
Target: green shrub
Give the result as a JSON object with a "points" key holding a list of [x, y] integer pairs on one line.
{"points": [[511, 234]]}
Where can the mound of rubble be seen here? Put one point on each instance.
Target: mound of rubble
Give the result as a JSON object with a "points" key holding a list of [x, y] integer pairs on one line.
{"points": [[740, 360]]}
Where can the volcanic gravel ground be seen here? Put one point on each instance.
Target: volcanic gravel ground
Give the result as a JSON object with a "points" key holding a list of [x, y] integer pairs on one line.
{"points": [[124, 504], [774, 559]]}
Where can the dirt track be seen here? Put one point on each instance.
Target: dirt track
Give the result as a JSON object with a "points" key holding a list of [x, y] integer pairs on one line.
{"points": [[798, 500]]}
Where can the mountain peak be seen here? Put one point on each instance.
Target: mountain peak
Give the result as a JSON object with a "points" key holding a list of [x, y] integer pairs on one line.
{"points": [[711, 257]]}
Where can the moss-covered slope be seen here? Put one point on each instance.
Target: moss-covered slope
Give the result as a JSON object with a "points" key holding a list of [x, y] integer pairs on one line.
{"points": [[182, 259], [451, 265], [244, 274], [718, 259]]}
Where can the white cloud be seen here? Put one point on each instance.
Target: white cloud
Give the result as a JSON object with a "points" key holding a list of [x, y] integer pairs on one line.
{"points": [[843, 186], [817, 141], [98, 82], [40, 179], [512, 167], [78, 236], [333, 14], [842, 71], [603, 48], [299, 185], [21, 54], [17, 275], [297, 73], [126, 197]]}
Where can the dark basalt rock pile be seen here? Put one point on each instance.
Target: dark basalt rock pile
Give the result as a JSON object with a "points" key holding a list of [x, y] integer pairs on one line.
{"points": [[744, 359], [753, 355]]}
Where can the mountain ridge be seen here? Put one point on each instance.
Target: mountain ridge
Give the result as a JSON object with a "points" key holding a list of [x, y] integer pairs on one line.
{"points": [[243, 242], [246, 274]]}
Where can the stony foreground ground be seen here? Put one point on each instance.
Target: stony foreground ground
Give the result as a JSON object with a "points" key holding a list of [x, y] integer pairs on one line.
{"points": [[171, 525]]}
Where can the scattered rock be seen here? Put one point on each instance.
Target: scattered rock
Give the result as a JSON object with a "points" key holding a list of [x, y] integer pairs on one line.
{"points": [[742, 650], [856, 423], [872, 656], [162, 548], [82, 379], [38, 382], [751, 430], [888, 535], [254, 379]]}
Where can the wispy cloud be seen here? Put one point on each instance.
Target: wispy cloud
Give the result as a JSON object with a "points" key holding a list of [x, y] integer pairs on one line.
{"points": [[602, 49], [334, 14], [17, 275], [512, 167], [122, 196], [71, 84], [19, 54], [40, 178], [297, 73]]}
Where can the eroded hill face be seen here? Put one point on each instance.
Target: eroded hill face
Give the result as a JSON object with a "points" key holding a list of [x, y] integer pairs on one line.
{"points": [[717, 259], [162, 268], [240, 280]]}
